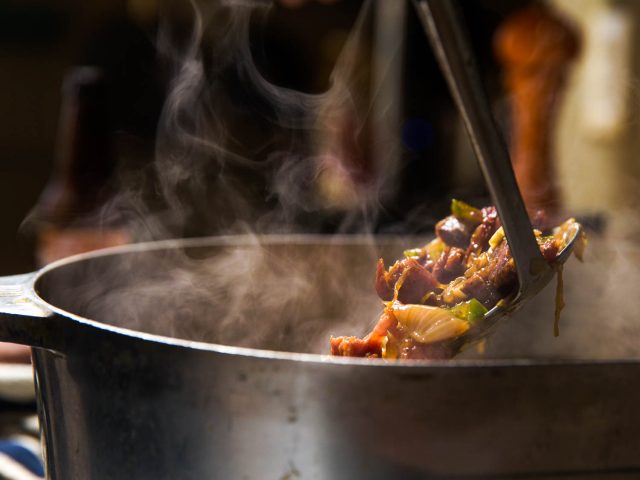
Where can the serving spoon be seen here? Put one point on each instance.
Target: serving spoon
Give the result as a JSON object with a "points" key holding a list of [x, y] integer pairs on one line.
{"points": [[444, 28]]}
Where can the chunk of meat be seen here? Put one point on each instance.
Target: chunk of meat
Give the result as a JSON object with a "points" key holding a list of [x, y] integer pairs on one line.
{"points": [[450, 265], [411, 280], [384, 284], [369, 346], [540, 220], [453, 232], [414, 283], [550, 249], [502, 269], [480, 237], [479, 288]]}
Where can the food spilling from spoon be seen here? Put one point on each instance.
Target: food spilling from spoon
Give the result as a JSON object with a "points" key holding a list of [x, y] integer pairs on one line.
{"points": [[438, 294]]}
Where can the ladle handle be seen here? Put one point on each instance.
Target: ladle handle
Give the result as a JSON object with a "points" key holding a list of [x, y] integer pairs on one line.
{"points": [[455, 56], [21, 316]]}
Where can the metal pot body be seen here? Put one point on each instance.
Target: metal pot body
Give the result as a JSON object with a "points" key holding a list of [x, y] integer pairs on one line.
{"points": [[116, 404], [165, 413]]}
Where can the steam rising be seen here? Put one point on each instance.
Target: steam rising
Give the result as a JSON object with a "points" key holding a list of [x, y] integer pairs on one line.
{"points": [[288, 296], [236, 152], [283, 294], [292, 294]]}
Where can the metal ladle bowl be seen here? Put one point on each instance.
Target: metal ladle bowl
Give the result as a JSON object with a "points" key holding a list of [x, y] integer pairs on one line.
{"points": [[509, 306]]}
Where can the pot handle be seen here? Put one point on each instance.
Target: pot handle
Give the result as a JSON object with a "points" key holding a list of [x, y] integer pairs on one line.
{"points": [[21, 317]]}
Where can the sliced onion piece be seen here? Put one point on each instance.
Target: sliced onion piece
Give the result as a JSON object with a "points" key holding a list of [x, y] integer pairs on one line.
{"points": [[496, 238], [426, 324]]}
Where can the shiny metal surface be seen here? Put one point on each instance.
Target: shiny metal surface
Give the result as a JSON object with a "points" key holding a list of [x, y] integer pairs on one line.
{"points": [[116, 403]]}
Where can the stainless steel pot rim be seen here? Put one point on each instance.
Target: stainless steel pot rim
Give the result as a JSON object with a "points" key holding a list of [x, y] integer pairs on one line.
{"points": [[248, 240]]}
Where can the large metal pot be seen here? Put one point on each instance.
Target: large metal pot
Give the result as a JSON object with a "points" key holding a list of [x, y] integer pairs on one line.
{"points": [[131, 385]]}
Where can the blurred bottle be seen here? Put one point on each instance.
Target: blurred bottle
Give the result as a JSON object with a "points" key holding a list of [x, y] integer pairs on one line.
{"points": [[536, 48], [67, 215], [598, 132]]}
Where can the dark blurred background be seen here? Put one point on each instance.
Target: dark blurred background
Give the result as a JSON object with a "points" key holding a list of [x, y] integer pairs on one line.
{"points": [[296, 47], [40, 42]]}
